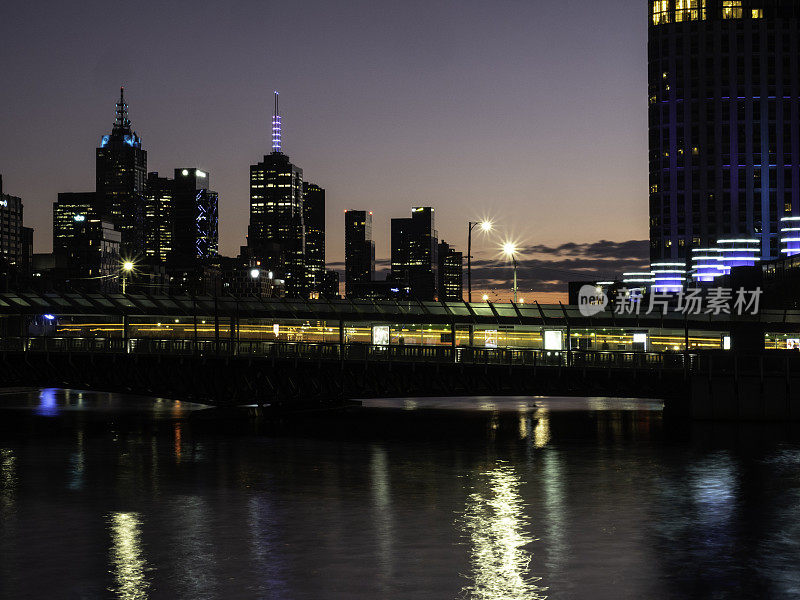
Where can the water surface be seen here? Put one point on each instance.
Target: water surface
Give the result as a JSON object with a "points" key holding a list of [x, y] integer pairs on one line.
{"points": [[109, 496]]}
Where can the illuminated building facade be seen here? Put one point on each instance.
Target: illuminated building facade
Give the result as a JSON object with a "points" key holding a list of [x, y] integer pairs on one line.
{"points": [[414, 253], [159, 218], [195, 213], [314, 222], [710, 263], [121, 176], [276, 234], [359, 252], [451, 265], [724, 150], [12, 235], [790, 236]]}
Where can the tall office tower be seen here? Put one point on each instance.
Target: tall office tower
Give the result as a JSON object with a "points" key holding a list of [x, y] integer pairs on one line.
{"points": [[276, 235], [195, 213], [12, 242], [723, 121], [159, 218], [88, 245], [359, 252], [451, 265], [314, 220], [414, 253], [69, 212], [121, 175]]}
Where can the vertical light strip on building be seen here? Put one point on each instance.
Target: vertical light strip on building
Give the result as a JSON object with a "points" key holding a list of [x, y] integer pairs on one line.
{"points": [[276, 127]]}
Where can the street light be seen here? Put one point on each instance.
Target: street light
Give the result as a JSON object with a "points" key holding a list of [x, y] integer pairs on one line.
{"points": [[486, 227], [510, 250], [254, 273], [127, 268]]}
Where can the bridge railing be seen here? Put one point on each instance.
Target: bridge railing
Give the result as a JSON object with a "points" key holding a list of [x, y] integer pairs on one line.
{"points": [[360, 352]]}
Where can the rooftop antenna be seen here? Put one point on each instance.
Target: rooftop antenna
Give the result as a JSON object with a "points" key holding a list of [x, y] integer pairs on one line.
{"points": [[121, 112], [276, 127]]}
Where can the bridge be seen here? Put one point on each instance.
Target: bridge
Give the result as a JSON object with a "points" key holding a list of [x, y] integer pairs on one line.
{"points": [[296, 354]]}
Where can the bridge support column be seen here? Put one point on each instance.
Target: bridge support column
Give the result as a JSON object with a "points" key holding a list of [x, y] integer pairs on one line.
{"points": [[125, 333]]}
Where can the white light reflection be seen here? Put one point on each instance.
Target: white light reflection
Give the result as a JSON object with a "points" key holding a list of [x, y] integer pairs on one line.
{"points": [[495, 522], [127, 557], [382, 510], [77, 465]]}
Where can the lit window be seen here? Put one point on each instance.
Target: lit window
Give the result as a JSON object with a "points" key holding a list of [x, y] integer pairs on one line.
{"points": [[731, 9], [690, 10], [660, 12], [758, 13]]}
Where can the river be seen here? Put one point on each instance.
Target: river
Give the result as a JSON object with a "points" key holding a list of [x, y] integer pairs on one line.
{"points": [[112, 496]]}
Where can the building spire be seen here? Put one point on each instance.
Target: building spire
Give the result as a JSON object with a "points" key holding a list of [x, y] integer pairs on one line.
{"points": [[276, 127], [122, 121]]}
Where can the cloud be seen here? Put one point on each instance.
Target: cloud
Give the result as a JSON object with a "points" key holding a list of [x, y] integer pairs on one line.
{"points": [[548, 268]]}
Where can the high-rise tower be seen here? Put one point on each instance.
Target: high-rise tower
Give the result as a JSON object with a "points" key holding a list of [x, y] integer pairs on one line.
{"points": [[276, 235], [724, 83], [121, 176], [359, 252], [314, 221], [414, 252]]}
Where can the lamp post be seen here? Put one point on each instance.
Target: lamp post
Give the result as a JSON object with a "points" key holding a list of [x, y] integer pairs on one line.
{"points": [[510, 250], [486, 226], [127, 268]]}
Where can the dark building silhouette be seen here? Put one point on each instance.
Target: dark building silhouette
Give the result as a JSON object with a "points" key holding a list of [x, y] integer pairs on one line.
{"points": [[195, 235], [414, 253], [71, 209], [451, 265], [314, 221], [723, 123], [121, 174], [276, 234], [359, 252], [330, 284], [13, 237], [85, 246]]}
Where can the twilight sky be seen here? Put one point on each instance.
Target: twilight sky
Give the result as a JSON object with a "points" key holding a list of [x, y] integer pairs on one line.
{"points": [[532, 112]]}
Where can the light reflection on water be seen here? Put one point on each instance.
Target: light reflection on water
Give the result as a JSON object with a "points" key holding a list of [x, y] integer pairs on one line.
{"points": [[496, 526], [128, 563], [486, 499]]}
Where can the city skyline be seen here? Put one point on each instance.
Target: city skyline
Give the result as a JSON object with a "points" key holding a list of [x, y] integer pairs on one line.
{"points": [[450, 133]]}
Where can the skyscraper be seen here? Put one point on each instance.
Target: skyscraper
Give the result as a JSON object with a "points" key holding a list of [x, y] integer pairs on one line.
{"points": [[724, 83], [88, 245], [159, 218], [121, 174], [195, 214], [71, 209], [181, 225], [276, 235], [451, 266], [12, 236], [414, 253], [359, 251], [314, 221]]}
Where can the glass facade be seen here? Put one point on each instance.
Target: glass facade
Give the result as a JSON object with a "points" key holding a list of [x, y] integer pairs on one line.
{"points": [[724, 151]]}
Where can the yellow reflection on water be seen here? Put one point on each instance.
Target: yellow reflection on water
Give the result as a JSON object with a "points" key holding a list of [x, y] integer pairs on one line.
{"points": [[541, 433], [496, 525], [127, 557], [8, 478]]}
